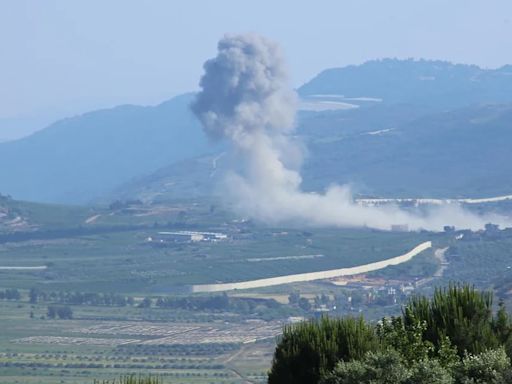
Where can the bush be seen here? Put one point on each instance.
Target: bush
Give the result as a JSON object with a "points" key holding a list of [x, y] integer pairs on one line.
{"points": [[375, 368], [490, 367], [429, 371]]}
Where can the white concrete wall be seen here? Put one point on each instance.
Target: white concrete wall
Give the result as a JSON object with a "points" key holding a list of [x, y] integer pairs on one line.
{"points": [[301, 277]]}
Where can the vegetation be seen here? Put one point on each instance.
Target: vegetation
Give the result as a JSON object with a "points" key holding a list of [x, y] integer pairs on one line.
{"points": [[460, 313], [61, 312], [453, 337], [388, 367], [100, 265], [132, 379], [310, 349]]}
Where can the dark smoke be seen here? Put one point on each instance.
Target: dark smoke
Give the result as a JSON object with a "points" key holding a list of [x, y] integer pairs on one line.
{"points": [[245, 98]]}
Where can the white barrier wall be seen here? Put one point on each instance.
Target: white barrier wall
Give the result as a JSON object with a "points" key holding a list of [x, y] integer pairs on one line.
{"points": [[321, 275]]}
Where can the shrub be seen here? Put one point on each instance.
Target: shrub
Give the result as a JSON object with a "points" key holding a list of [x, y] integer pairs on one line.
{"points": [[384, 367], [429, 371], [489, 367]]}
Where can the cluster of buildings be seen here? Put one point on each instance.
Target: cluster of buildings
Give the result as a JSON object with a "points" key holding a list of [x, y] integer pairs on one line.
{"points": [[186, 237]]}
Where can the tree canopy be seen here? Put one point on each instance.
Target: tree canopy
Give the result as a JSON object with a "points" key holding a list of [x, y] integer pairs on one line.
{"points": [[452, 337]]}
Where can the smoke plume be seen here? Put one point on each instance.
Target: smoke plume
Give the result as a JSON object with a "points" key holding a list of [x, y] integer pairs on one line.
{"points": [[245, 98]]}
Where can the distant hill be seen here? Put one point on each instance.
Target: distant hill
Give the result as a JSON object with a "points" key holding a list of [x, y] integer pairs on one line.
{"points": [[434, 83], [382, 151], [161, 150], [460, 153], [22, 216], [77, 159]]}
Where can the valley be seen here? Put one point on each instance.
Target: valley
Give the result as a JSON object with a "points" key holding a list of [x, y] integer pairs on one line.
{"points": [[122, 252], [132, 303]]}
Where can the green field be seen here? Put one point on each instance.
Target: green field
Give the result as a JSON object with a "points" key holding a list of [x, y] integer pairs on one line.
{"points": [[104, 250]]}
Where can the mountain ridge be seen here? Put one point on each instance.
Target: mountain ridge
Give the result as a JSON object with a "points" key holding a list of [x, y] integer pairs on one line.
{"points": [[441, 155], [80, 159]]}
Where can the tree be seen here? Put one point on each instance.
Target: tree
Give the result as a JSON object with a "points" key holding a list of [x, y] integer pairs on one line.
{"points": [[387, 367], [62, 312], [406, 341], [492, 366], [52, 312], [12, 294], [451, 338], [65, 313], [384, 367], [294, 298], [461, 313], [146, 302], [429, 371], [503, 328], [304, 304], [310, 349], [33, 296]]}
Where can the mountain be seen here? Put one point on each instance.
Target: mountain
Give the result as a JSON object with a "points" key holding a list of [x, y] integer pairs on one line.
{"points": [[77, 159], [383, 151], [23, 216], [422, 82], [389, 127], [459, 153]]}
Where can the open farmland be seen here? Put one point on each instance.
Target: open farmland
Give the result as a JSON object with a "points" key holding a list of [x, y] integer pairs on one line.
{"points": [[125, 262], [105, 270], [111, 252], [39, 350]]}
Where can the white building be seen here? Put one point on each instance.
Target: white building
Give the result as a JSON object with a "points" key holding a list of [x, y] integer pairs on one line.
{"points": [[187, 237]]}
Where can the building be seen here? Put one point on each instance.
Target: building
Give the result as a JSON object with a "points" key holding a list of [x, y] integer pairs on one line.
{"points": [[186, 237]]}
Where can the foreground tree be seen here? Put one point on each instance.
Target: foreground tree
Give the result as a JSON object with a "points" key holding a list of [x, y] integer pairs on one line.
{"points": [[452, 337], [461, 313], [388, 367], [308, 350]]}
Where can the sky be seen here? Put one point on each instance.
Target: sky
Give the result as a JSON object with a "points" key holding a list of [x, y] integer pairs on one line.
{"points": [[60, 58]]}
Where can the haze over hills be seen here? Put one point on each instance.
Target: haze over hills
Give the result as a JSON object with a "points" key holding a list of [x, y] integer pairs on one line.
{"points": [[77, 159], [413, 128]]}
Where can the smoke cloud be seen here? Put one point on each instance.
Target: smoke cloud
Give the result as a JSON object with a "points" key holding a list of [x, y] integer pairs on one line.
{"points": [[245, 98]]}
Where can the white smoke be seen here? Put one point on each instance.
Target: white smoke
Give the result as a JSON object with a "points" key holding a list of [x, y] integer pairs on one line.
{"points": [[246, 99]]}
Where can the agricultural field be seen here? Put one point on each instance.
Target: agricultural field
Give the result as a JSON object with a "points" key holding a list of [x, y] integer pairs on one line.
{"points": [[113, 254], [87, 294], [36, 350]]}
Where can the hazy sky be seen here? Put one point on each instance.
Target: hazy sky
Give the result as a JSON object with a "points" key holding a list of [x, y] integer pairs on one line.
{"points": [[64, 57]]}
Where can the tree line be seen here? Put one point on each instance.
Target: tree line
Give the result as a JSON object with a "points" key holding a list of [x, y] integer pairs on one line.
{"points": [[213, 303], [80, 298], [217, 303], [453, 337], [10, 294]]}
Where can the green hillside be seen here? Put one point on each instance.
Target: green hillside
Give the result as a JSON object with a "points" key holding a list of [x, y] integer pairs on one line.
{"points": [[438, 84], [434, 132], [384, 151]]}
